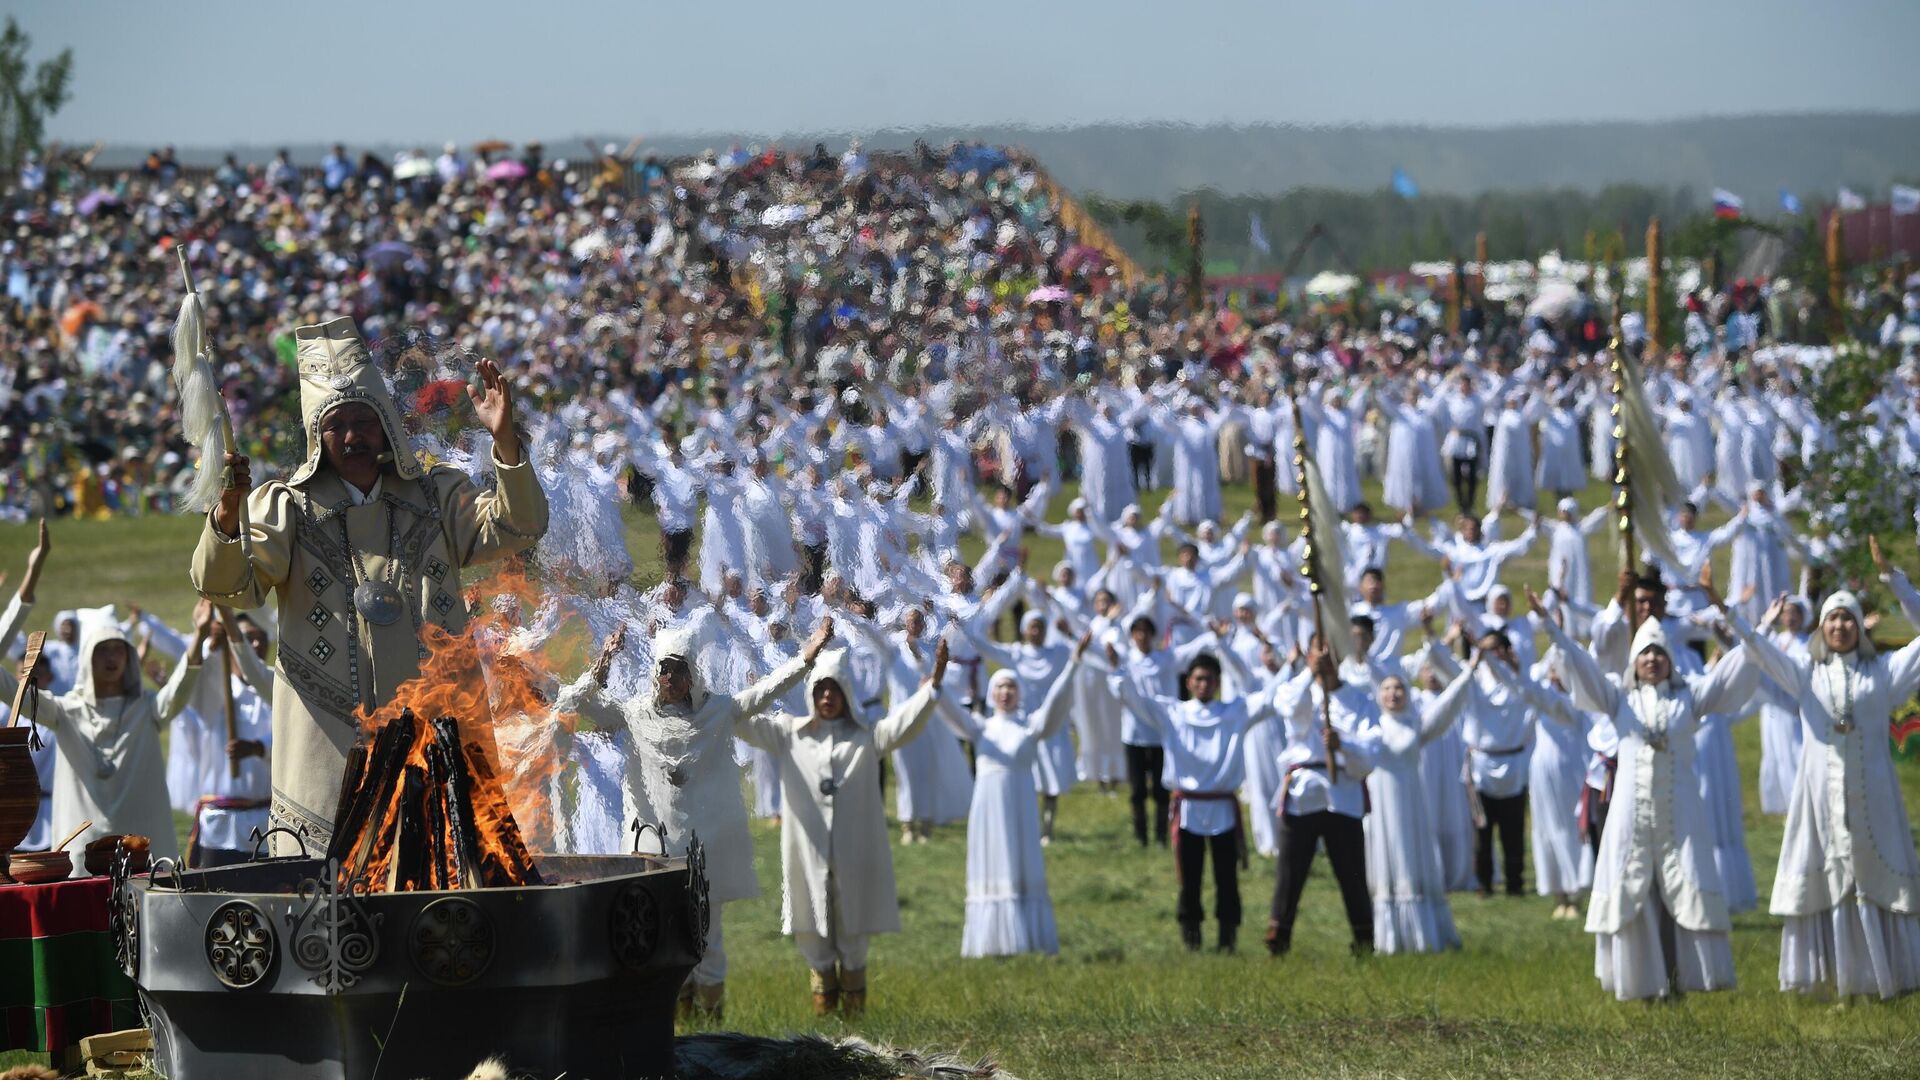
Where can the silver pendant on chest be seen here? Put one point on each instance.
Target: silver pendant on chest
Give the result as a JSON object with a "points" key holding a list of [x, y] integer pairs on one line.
{"points": [[378, 602]]}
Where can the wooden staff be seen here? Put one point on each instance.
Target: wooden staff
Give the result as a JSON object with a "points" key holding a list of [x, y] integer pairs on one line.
{"points": [[1313, 581], [1654, 285], [233, 726]]}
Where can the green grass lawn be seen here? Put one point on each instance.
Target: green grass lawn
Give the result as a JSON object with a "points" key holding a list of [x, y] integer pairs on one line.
{"points": [[1124, 999]]}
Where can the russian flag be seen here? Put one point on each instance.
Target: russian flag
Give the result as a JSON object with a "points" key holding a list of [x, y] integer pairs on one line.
{"points": [[1726, 204]]}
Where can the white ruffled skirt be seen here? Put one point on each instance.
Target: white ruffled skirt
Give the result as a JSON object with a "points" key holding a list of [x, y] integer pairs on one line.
{"points": [[1857, 946], [1054, 771], [1637, 963], [1420, 925]]}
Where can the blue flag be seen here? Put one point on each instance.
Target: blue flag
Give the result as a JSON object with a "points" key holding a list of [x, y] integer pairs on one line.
{"points": [[1257, 234], [1789, 201], [1403, 185]]}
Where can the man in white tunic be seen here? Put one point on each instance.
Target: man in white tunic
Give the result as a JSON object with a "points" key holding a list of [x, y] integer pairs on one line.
{"points": [[1322, 799], [1204, 766]]}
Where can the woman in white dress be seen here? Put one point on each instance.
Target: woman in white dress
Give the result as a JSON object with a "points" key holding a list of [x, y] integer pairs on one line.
{"points": [[1103, 757], [1719, 778], [1443, 761], [1008, 909], [1658, 913], [111, 770], [1556, 773], [1413, 482], [723, 528], [1848, 884], [1106, 482], [932, 783], [1597, 403], [1689, 439], [1569, 568], [1510, 463], [1410, 909], [1336, 425], [1194, 435], [680, 771], [1780, 734], [1037, 666], [1560, 469], [1759, 563]]}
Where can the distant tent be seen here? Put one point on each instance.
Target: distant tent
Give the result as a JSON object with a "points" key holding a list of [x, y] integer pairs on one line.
{"points": [[980, 159]]}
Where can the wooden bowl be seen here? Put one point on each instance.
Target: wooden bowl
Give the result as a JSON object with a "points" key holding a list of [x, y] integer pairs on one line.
{"points": [[39, 867], [100, 853]]}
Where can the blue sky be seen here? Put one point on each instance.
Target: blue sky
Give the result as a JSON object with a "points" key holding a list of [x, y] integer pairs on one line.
{"points": [[401, 71]]}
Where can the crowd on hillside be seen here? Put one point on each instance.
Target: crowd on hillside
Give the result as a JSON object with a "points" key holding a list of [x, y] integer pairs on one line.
{"points": [[609, 272]]}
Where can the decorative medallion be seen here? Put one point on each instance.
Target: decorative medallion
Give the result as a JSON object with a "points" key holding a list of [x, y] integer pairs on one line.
{"points": [[697, 906], [241, 945], [123, 915], [633, 926], [451, 941], [334, 936]]}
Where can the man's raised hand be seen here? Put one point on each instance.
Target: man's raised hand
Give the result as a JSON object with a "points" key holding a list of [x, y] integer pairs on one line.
{"points": [[36, 562], [821, 635]]}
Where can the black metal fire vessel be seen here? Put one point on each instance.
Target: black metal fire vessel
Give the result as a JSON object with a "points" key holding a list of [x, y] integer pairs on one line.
{"points": [[279, 968]]}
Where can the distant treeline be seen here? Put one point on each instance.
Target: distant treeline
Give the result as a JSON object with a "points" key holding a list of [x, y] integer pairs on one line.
{"points": [[1382, 230]]}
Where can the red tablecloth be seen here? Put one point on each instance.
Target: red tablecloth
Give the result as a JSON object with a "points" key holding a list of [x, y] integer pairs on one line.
{"points": [[59, 980]]}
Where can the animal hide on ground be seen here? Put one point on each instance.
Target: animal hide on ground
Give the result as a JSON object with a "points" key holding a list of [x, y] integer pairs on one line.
{"points": [[728, 1056]]}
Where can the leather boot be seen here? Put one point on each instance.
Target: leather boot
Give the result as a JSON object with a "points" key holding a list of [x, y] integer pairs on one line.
{"points": [[1275, 946], [710, 1002], [1190, 936], [1229, 937], [826, 992], [853, 993]]}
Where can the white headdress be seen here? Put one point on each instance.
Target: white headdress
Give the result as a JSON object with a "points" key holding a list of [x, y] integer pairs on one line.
{"points": [[1843, 601], [336, 368]]}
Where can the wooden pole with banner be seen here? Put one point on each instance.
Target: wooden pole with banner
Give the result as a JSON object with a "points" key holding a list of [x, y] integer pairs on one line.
{"points": [[1654, 285]]}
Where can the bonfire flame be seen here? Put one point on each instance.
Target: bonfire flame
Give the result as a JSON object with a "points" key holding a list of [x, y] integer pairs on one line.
{"points": [[426, 802]]}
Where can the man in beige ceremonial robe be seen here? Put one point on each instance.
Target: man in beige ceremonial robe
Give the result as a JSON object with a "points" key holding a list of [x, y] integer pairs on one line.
{"points": [[364, 546]]}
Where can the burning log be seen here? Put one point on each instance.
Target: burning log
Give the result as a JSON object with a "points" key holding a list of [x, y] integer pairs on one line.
{"points": [[420, 811]]}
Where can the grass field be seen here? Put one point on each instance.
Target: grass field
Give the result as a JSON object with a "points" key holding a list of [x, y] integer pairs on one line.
{"points": [[1124, 999]]}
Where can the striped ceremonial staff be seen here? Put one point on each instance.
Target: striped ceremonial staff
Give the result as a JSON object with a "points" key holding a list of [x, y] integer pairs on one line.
{"points": [[1643, 480], [1324, 566]]}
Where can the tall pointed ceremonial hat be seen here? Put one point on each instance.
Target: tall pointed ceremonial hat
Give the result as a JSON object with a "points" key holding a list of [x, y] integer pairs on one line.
{"points": [[336, 368]]}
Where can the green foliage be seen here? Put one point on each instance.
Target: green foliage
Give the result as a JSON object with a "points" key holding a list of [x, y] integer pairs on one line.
{"points": [[1380, 229], [29, 93], [1855, 473]]}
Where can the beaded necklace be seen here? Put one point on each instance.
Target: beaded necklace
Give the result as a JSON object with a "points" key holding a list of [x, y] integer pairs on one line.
{"points": [[1843, 695]]}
